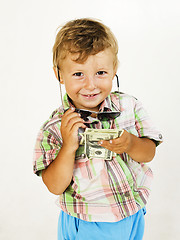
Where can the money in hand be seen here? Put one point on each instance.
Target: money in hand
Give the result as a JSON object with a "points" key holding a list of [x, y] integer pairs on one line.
{"points": [[91, 137]]}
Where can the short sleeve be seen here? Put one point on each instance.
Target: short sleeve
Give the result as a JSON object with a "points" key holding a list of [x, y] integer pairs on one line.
{"points": [[144, 124], [45, 151]]}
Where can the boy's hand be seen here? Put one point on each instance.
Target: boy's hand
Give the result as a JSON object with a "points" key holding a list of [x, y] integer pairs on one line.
{"points": [[118, 145], [70, 123], [139, 149]]}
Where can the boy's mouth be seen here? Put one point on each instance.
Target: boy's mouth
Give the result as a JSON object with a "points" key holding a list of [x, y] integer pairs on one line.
{"points": [[90, 96]]}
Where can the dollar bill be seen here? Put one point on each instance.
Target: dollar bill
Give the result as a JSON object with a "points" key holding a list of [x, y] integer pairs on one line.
{"points": [[91, 137]]}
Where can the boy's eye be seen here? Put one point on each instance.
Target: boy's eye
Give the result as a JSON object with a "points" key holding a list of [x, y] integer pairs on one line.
{"points": [[101, 73], [78, 74]]}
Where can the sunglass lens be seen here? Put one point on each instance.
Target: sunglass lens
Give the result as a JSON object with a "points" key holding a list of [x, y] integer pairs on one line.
{"points": [[115, 115], [108, 115], [84, 113]]}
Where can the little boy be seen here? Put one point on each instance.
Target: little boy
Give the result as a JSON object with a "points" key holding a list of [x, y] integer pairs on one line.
{"points": [[99, 198]]}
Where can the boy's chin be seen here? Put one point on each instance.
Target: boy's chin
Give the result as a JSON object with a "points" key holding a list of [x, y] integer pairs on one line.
{"points": [[89, 107]]}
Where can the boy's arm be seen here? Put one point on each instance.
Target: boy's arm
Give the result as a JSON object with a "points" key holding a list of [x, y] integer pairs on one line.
{"points": [[58, 175], [139, 149]]}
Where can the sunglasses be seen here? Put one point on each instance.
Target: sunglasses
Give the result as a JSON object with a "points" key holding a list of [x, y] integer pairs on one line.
{"points": [[102, 116], [86, 113]]}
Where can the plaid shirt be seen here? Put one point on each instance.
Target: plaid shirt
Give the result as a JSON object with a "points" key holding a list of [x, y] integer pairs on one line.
{"points": [[100, 190]]}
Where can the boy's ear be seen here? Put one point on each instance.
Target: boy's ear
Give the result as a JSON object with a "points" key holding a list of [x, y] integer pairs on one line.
{"points": [[56, 74]]}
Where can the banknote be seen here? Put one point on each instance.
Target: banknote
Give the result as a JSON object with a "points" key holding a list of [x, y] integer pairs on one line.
{"points": [[91, 137]]}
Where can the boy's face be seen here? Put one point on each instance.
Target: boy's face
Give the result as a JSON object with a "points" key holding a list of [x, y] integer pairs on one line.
{"points": [[89, 83]]}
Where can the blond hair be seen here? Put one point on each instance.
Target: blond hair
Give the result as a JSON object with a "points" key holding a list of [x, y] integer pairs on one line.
{"points": [[83, 37]]}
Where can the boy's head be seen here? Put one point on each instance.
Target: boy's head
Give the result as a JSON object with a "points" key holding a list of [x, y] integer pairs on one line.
{"points": [[83, 37], [85, 55]]}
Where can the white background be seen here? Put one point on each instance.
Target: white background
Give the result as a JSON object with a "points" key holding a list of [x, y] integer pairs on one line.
{"points": [[148, 33]]}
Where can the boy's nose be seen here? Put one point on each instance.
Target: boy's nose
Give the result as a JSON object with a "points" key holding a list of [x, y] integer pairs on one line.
{"points": [[89, 83]]}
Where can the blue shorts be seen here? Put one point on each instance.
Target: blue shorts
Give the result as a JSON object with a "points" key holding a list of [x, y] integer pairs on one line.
{"points": [[130, 228]]}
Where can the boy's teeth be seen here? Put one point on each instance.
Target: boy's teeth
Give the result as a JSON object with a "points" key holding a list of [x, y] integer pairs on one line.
{"points": [[90, 95]]}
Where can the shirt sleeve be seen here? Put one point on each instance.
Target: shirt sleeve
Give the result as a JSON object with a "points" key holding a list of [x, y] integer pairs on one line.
{"points": [[144, 124], [45, 151]]}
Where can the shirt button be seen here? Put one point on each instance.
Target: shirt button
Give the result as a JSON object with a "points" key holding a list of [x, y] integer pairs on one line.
{"points": [[83, 155], [127, 194], [160, 136]]}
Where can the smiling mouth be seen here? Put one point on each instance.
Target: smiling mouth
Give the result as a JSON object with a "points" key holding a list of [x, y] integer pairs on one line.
{"points": [[90, 95]]}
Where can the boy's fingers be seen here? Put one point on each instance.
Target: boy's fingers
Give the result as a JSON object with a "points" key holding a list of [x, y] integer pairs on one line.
{"points": [[68, 112], [68, 116], [109, 142], [73, 122], [115, 141], [111, 146], [105, 143], [77, 126]]}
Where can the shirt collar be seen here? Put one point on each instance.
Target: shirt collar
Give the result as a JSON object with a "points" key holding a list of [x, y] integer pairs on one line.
{"points": [[106, 105], [66, 102], [110, 103]]}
